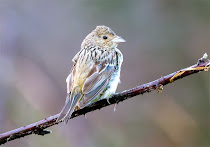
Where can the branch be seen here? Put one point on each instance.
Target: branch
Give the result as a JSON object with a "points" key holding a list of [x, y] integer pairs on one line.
{"points": [[39, 127]]}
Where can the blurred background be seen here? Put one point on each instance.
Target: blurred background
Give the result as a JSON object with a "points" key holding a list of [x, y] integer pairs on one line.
{"points": [[38, 39]]}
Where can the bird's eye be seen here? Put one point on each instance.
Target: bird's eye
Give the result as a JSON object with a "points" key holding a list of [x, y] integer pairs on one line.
{"points": [[104, 37]]}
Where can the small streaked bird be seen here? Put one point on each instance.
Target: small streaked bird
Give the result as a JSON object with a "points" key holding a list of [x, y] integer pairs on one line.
{"points": [[96, 71]]}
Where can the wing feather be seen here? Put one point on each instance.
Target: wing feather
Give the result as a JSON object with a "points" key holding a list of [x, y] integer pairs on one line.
{"points": [[95, 84], [91, 95], [97, 78]]}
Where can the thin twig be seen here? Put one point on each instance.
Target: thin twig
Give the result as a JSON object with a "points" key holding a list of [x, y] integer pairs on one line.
{"points": [[39, 127]]}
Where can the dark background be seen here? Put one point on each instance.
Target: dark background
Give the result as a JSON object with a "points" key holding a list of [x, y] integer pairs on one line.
{"points": [[38, 39]]}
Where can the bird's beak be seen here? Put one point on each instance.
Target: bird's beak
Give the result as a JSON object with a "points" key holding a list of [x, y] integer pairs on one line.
{"points": [[118, 39]]}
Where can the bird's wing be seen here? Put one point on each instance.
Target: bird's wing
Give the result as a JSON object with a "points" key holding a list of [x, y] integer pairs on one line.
{"points": [[96, 83]]}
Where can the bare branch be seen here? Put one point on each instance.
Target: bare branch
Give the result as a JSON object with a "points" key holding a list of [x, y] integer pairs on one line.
{"points": [[38, 128]]}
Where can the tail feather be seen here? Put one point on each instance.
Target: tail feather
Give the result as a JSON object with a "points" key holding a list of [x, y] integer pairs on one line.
{"points": [[64, 111], [69, 107]]}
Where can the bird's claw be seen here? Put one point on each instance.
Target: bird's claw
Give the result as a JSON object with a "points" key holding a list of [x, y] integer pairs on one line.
{"points": [[108, 101]]}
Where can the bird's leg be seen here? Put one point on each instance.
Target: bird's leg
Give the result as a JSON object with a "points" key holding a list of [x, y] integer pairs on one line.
{"points": [[108, 100]]}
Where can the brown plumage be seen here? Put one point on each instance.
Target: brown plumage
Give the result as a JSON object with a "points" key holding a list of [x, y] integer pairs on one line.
{"points": [[96, 71]]}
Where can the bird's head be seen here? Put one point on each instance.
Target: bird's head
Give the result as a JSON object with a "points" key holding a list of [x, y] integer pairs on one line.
{"points": [[102, 37]]}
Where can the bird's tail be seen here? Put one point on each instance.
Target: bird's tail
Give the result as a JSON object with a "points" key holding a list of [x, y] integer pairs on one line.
{"points": [[68, 109]]}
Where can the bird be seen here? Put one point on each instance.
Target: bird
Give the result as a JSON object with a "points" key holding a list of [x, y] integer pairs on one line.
{"points": [[95, 73]]}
